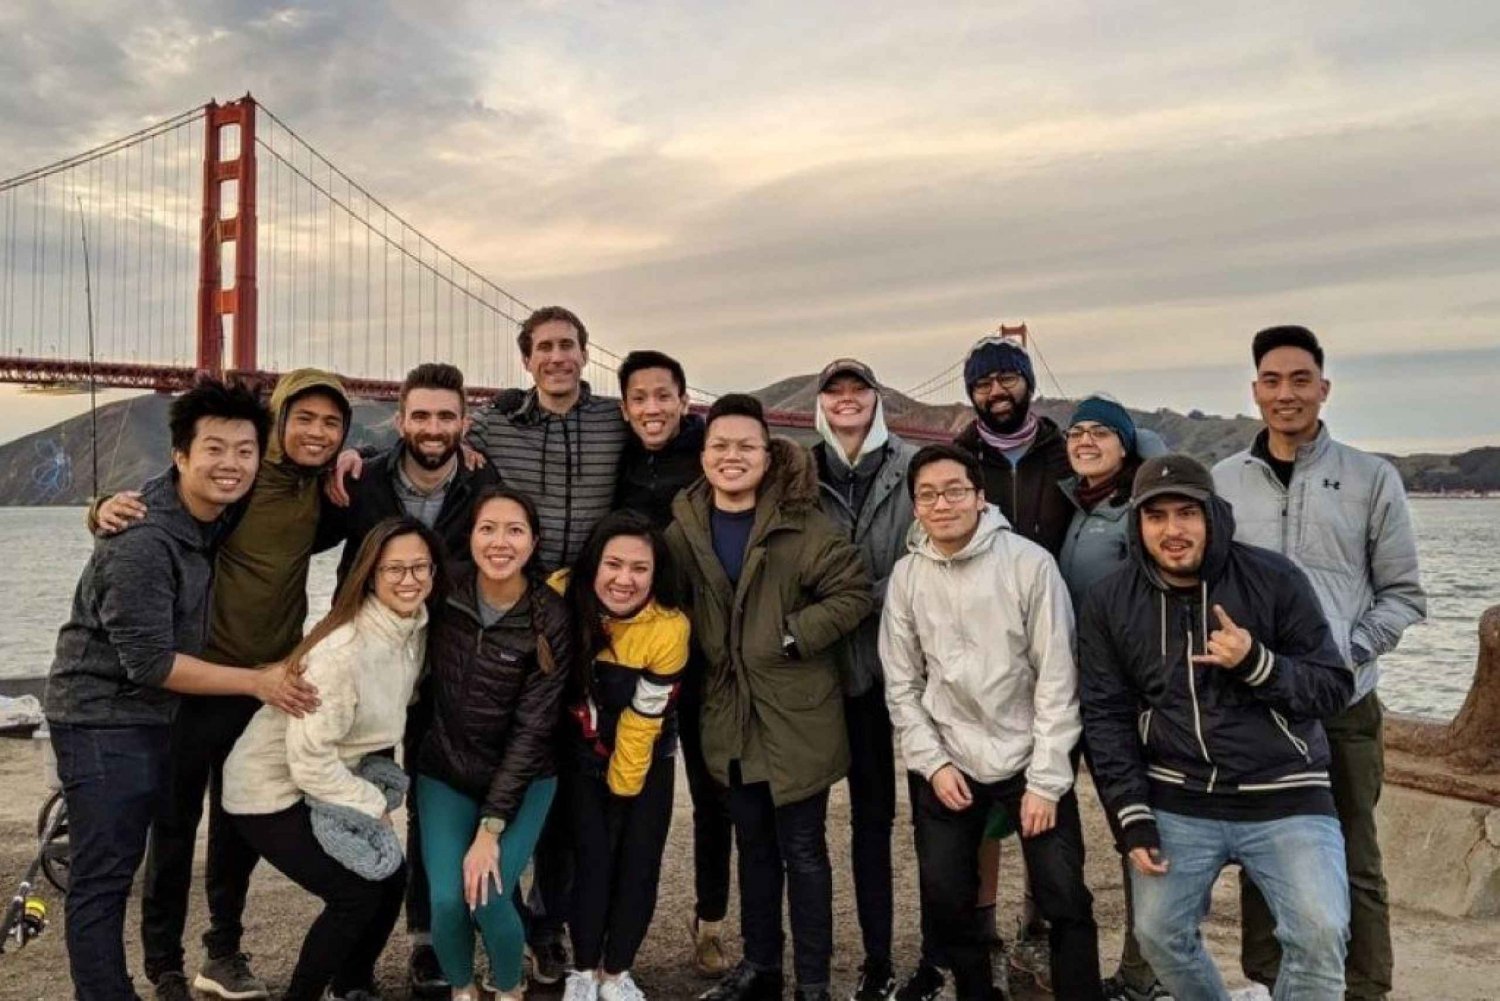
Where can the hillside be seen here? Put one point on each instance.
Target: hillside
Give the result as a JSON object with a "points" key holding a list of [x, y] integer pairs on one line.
{"points": [[53, 467]]}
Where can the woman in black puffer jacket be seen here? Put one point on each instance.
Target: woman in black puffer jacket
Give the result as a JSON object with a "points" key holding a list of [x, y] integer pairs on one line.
{"points": [[499, 655]]}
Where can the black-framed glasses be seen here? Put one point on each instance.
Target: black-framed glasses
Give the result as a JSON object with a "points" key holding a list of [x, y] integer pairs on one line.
{"points": [[1008, 381], [953, 495], [395, 573]]}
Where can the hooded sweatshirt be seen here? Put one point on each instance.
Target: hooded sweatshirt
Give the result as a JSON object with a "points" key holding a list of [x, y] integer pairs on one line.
{"points": [[260, 582]]}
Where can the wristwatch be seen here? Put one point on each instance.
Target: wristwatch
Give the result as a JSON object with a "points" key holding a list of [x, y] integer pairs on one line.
{"points": [[789, 646], [492, 825]]}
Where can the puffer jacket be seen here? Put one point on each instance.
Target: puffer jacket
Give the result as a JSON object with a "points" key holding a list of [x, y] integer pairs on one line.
{"points": [[496, 713], [781, 719], [1344, 521], [1027, 494], [978, 653], [879, 531], [1167, 733]]}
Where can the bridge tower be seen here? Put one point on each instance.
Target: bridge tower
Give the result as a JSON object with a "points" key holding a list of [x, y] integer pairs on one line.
{"points": [[228, 180]]}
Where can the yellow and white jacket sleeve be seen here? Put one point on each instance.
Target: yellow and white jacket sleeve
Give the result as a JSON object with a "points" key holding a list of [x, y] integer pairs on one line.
{"points": [[641, 722]]}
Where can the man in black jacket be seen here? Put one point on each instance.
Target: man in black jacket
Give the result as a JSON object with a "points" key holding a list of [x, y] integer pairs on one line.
{"points": [[1206, 665]]}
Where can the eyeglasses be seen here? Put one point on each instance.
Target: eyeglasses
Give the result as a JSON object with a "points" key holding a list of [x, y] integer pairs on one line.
{"points": [[1093, 432], [953, 495], [1008, 381], [719, 449], [395, 573]]}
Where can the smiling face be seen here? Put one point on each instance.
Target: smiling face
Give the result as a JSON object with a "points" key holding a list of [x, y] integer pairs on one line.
{"points": [[1290, 391], [1094, 451], [219, 466], [848, 404], [314, 429], [654, 405], [947, 503], [502, 540], [1174, 531], [735, 457], [557, 359], [403, 574], [1002, 400], [626, 570], [432, 423]]}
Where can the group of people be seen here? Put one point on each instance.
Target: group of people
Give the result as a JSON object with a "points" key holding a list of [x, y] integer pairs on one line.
{"points": [[543, 604]]}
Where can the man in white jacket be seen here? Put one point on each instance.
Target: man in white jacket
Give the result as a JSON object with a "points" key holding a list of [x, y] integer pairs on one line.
{"points": [[977, 644]]}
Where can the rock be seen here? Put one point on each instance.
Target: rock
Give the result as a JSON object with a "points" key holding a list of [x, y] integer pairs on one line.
{"points": [[1440, 854], [1492, 828]]}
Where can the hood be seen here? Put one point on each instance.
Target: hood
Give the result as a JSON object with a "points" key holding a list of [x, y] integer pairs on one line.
{"points": [[793, 477], [878, 435], [165, 511], [1220, 536], [522, 407], [294, 384], [991, 524]]}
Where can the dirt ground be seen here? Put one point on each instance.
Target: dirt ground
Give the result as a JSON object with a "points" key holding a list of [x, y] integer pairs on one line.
{"points": [[1437, 958]]}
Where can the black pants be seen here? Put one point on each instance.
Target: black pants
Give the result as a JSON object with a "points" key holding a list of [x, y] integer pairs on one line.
{"points": [[202, 737], [418, 898], [872, 811], [948, 855], [113, 779], [784, 846], [545, 909], [619, 843], [345, 940], [713, 831]]}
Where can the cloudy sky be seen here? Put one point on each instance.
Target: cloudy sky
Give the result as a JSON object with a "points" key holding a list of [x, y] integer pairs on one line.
{"points": [[758, 188]]}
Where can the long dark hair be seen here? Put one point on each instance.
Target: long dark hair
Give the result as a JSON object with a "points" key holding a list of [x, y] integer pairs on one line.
{"points": [[535, 584], [589, 614], [359, 583]]}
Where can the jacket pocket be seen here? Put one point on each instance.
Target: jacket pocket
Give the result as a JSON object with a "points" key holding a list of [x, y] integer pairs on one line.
{"points": [[1286, 730]]}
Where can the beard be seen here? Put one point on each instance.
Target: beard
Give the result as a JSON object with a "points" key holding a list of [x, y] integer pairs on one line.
{"points": [[1019, 409], [428, 461]]}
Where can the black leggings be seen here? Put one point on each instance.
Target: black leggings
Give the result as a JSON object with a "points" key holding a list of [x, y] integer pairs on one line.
{"points": [[619, 845], [344, 942]]}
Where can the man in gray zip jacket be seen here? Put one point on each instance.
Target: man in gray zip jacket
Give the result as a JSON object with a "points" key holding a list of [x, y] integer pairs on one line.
{"points": [[1341, 515]]}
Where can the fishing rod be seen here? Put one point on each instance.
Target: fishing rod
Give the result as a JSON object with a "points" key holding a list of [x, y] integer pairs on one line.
{"points": [[88, 293]]}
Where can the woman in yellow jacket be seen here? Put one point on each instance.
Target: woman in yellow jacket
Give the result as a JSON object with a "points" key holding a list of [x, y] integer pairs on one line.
{"points": [[619, 772]]}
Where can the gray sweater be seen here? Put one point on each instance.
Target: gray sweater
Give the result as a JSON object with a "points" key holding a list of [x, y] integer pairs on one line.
{"points": [[142, 599]]}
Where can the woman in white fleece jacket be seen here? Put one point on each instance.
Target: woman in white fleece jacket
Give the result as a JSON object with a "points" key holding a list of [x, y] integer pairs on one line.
{"points": [[364, 658]]}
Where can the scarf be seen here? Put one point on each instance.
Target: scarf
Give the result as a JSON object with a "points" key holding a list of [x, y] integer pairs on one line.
{"points": [[1022, 437], [1091, 497]]}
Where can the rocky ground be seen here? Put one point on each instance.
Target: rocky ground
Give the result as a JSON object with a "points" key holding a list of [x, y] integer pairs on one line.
{"points": [[1436, 957]]}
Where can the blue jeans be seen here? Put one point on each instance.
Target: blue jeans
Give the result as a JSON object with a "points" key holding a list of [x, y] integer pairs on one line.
{"points": [[1298, 865], [113, 780]]}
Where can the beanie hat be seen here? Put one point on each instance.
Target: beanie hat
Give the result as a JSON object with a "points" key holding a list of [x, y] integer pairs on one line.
{"points": [[1178, 475], [1103, 410], [997, 354]]}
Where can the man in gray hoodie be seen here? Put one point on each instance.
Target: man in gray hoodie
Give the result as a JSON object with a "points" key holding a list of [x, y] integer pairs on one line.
{"points": [[1341, 515], [130, 647]]}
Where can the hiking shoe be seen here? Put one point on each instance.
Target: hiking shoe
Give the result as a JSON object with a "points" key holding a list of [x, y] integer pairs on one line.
{"points": [[924, 984], [549, 961], [172, 987], [709, 958], [582, 985], [425, 974], [746, 983], [876, 982], [1116, 989], [229, 977], [1033, 957], [621, 988]]}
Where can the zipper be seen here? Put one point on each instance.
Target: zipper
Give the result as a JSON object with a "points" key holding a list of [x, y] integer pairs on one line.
{"points": [[1300, 745], [1192, 673], [1143, 724]]}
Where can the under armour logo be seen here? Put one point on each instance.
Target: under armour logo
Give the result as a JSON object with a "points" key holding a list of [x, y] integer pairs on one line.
{"points": [[1330, 484]]}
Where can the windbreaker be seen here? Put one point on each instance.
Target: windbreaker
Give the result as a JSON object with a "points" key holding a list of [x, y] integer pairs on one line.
{"points": [[1345, 522], [1242, 743], [978, 655]]}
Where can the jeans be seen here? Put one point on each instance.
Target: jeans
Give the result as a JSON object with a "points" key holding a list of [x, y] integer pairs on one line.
{"points": [[948, 863], [619, 846], [344, 941], [449, 822], [113, 779], [872, 811], [1357, 770], [202, 737], [713, 831], [1298, 863], [784, 846]]}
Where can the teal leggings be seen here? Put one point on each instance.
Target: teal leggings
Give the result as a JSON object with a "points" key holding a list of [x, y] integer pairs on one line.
{"points": [[449, 820]]}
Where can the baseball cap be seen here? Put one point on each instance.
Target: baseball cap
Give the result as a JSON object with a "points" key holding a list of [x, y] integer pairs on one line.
{"points": [[846, 366], [1181, 475]]}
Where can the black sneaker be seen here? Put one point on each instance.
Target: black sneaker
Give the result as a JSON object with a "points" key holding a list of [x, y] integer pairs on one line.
{"points": [[813, 994], [229, 977], [745, 983], [425, 974], [172, 987], [1116, 989], [549, 961], [358, 994], [925, 984], [876, 982]]}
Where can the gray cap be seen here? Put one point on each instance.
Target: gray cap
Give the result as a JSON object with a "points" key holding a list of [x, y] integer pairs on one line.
{"points": [[846, 366], [1177, 474]]}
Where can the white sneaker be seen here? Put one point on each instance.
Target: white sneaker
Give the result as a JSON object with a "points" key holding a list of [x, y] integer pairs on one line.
{"points": [[1255, 992], [621, 988], [582, 985]]}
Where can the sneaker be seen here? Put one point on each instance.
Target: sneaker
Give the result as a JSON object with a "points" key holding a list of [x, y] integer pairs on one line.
{"points": [[876, 982], [621, 988], [582, 985], [1116, 989], [172, 987], [709, 958], [813, 994], [924, 984], [1255, 992], [229, 977], [746, 983], [549, 961], [425, 974], [1033, 957], [358, 994]]}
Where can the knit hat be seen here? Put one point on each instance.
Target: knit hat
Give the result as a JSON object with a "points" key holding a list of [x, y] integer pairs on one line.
{"points": [[1103, 410], [1178, 475], [994, 354]]}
